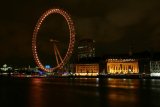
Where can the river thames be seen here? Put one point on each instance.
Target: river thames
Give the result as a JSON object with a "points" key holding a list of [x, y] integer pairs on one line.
{"points": [[79, 92]]}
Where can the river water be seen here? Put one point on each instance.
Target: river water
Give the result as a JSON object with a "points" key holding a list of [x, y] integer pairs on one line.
{"points": [[79, 92]]}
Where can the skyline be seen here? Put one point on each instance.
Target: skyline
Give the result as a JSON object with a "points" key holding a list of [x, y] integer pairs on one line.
{"points": [[114, 25]]}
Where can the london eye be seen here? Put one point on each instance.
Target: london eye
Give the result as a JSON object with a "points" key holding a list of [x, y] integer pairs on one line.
{"points": [[60, 61]]}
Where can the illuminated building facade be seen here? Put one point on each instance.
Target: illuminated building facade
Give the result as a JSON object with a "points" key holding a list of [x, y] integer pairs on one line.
{"points": [[122, 66], [87, 69], [155, 68], [86, 48]]}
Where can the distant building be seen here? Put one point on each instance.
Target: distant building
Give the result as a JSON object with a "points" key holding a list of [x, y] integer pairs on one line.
{"points": [[155, 68], [86, 48], [5, 68], [87, 69], [122, 66]]}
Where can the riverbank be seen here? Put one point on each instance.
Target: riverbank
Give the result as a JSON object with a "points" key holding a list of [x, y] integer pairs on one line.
{"points": [[77, 76]]}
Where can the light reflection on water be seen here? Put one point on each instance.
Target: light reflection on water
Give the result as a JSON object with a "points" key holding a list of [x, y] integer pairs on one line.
{"points": [[123, 83], [79, 92], [36, 91]]}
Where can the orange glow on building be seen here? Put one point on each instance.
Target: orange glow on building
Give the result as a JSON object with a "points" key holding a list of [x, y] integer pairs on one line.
{"points": [[122, 66], [87, 69]]}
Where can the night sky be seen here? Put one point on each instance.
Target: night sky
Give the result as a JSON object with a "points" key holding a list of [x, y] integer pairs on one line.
{"points": [[115, 25]]}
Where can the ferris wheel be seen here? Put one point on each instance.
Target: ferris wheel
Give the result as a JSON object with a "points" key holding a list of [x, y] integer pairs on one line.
{"points": [[60, 61]]}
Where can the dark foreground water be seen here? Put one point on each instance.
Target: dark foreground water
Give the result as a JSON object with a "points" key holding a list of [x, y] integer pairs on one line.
{"points": [[92, 92]]}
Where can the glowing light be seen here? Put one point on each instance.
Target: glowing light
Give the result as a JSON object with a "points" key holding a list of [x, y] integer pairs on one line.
{"points": [[47, 66], [155, 74], [86, 74]]}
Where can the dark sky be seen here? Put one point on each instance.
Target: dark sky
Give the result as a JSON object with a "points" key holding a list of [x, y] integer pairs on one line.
{"points": [[113, 24]]}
